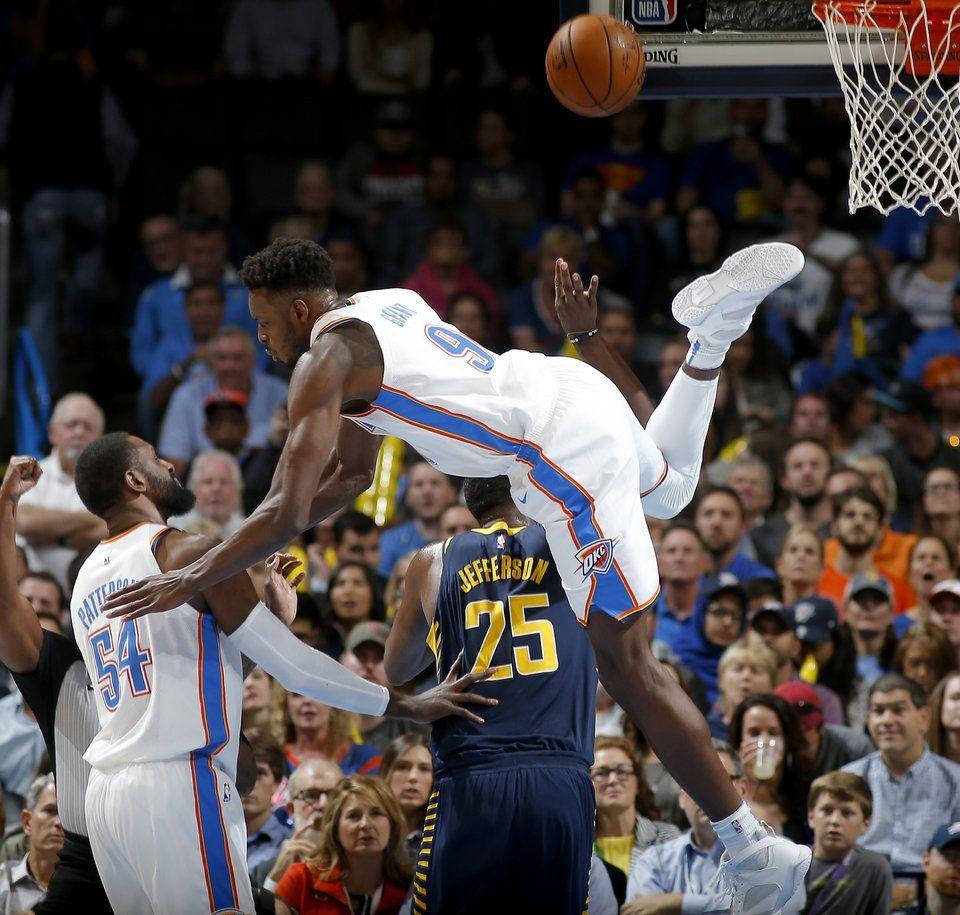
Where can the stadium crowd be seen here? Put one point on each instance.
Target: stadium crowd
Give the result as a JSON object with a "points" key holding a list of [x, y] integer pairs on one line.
{"points": [[810, 598]]}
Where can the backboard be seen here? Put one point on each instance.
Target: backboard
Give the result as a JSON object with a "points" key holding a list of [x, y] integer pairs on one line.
{"points": [[729, 48]]}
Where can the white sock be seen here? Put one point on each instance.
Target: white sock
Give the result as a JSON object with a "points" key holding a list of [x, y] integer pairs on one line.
{"points": [[739, 830], [703, 355]]}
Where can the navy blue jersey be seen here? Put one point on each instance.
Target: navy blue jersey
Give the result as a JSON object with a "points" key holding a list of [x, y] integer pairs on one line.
{"points": [[501, 602]]}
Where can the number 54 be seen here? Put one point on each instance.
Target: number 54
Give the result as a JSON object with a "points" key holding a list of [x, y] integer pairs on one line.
{"points": [[524, 661]]}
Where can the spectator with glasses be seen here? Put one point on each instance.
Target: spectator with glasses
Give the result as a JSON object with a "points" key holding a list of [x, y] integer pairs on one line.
{"points": [[627, 817], [309, 789], [940, 506]]}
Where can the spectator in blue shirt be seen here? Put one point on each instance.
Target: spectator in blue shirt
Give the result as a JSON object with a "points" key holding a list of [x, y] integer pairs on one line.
{"points": [[741, 176], [265, 831], [903, 236], [161, 316], [941, 341], [721, 521], [429, 492], [683, 559], [231, 351], [679, 876]]}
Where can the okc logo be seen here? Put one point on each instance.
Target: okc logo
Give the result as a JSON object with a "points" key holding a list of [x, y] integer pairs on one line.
{"points": [[596, 558]]}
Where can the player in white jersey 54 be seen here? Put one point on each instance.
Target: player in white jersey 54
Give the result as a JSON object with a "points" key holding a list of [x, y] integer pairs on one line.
{"points": [[578, 460], [164, 816]]}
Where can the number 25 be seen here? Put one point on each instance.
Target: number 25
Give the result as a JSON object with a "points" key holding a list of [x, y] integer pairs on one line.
{"points": [[526, 664]]}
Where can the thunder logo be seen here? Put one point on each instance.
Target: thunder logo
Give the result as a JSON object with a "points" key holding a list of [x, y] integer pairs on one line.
{"points": [[596, 558]]}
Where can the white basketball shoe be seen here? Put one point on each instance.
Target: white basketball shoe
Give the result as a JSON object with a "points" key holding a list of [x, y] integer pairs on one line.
{"points": [[767, 877], [718, 308]]}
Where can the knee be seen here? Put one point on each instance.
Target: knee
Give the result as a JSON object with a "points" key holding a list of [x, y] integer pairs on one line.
{"points": [[623, 652]]}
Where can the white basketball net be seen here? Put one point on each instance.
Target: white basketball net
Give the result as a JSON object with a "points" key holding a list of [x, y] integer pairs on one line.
{"points": [[904, 129]]}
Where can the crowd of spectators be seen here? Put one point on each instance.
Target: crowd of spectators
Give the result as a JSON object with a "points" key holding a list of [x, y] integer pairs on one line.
{"points": [[810, 599]]}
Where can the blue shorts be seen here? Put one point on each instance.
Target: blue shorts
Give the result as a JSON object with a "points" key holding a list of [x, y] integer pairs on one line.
{"points": [[516, 839]]}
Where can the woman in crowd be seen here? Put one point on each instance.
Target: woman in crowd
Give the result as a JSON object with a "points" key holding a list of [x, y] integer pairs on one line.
{"points": [[360, 865], [470, 314], [354, 596], [259, 717], [800, 563], [774, 789], [758, 382], [627, 817], [702, 246], [940, 511], [925, 289], [931, 561], [744, 670], [943, 735], [407, 768], [854, 429], [313, 730], [925, 655]]}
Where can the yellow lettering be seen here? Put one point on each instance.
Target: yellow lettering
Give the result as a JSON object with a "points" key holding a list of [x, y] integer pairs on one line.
{"points": [[478, 570], [494, 569], [527, 567], [464, 581], [517, 568], [468, 570], [504, 565], [486, 568], [540, 570]]}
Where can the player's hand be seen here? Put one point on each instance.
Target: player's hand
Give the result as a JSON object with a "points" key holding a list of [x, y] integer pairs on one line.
{"points": [[23, 473], [576, 306], [279, 593], [151, 595], [449, 698]]}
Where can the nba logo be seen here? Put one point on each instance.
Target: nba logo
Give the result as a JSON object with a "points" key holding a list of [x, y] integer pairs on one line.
{"points": [[596, 558], [654, 12]]}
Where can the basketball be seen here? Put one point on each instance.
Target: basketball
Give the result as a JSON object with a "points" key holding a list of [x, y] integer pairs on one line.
{"points": [[595, 65]]}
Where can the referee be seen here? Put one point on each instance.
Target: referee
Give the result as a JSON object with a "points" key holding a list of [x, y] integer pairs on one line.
{"points": [[49, 672]]}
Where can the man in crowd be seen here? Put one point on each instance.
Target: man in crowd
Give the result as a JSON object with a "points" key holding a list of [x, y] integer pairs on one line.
{"points": [[429, 492], [941, 867], [216, 482], [265, 831], [52, 524], [679, 876], [233, 368], [46, 597], [683, 559], [806, 465], [810, 417], [722, 523], [456, 519], [945, 611], [23, 884], [356, 538], [844, 879], [913, 789], [751, 480]]}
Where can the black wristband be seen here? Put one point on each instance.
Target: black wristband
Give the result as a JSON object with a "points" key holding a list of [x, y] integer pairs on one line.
{"points": [[584, 335]]}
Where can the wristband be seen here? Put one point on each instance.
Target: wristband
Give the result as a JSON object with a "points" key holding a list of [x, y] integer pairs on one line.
{"points": [[583, 335]]}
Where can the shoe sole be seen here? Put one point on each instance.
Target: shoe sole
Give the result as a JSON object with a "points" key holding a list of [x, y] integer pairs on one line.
{"points": [[757, 269]]}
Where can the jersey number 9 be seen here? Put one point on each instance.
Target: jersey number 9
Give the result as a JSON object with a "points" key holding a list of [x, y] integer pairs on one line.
{"points": [[453, 343], [523, 659]]}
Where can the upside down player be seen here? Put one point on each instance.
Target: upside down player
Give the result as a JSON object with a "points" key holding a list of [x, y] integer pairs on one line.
{"points": [[578, 460], [163, 813], [524, 776]]}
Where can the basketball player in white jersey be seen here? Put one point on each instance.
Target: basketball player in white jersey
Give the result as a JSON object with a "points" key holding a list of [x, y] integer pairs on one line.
{"points": [[579, 462], [163, 814]]}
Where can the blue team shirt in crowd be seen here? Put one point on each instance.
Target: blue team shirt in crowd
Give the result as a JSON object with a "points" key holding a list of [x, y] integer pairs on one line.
{"points": [[395, 542], [941, 341]]}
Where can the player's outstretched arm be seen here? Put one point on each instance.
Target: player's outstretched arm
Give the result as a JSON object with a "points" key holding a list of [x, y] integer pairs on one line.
{"points": [[577, 311], [308, 461], [20, 634], [407, 652]]}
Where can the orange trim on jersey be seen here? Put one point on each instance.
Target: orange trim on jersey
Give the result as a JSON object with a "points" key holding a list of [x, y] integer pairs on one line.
{"points": [[641, 607], [129, 530], [223, 830], [663, 476], [203, 847], [203, 710]]}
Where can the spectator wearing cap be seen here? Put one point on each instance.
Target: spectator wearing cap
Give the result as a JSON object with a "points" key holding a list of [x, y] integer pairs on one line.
{"points": [[868, 604], [945, 611], [682, 560], [719, 619], [776, 627], [233, 368], [161, 316], [363, 650], [941, 378], [844, 879], [803, 479], [858, 517], [942, 340], [913, 788], [176, 359], [744, 670], [803, 300], [216, 482], [722, 523], [826, 746], [382, 172], [941, 870], [906, 412], [680, 875]]}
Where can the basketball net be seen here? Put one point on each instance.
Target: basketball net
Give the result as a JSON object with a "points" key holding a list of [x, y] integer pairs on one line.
{"points": [[897, 62]]}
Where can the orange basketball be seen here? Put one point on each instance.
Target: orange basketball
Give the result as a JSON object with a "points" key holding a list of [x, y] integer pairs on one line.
{"points": [[595, 65]]}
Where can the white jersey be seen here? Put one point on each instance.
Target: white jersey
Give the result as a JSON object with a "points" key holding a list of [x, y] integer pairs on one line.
{"points": [[168, 685], [464, 408]]}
